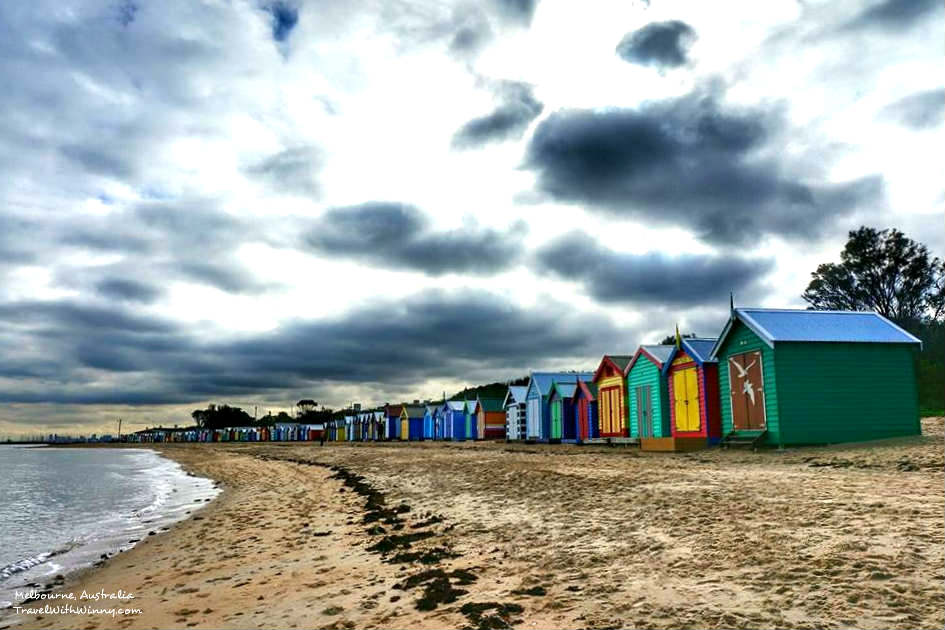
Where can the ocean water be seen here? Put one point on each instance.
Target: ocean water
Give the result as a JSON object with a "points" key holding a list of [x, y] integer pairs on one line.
{"points": [[61, 509]]}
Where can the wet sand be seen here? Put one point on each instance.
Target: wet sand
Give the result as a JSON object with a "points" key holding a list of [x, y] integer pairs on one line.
{"points": [[493, 535]]}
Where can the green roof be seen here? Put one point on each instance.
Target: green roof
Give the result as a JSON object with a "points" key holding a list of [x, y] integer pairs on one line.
{"points": [[620, 360], [492, 404]]}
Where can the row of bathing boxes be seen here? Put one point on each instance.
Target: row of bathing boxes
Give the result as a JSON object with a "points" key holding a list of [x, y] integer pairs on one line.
{"points": [[771, 377]]}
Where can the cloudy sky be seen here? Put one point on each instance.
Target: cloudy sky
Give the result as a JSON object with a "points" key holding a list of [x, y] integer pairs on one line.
{"points": [[369, 200]]}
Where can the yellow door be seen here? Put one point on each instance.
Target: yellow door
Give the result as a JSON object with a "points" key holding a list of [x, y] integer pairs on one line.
{"points": [[611, 414], [692, 398], [612, 420], [680, 401], [605, 413], [686, 399], [614, 411], [618, 405]]}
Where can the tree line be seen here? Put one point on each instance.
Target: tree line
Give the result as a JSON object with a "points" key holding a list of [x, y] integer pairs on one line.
{"points": [[223, 416]]}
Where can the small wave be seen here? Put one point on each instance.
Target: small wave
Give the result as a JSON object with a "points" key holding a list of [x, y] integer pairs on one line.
{"points": [[28, 563]]}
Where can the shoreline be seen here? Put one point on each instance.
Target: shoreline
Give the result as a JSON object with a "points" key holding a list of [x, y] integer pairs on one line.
{"points": [[176, 493], [165, 553], [532, 537]]}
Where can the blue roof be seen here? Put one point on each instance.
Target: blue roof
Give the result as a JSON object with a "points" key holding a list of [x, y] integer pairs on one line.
{"points": [[565, 390], [543, 380], [787, 325], [660, 351], [700, 348], [517, 393]]}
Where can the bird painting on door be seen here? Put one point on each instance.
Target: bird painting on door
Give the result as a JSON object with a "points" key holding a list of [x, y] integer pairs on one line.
{"points": [[747, 390], [747, 387]]}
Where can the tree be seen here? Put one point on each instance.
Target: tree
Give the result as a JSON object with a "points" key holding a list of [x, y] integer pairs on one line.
{"points": [[882, 271], [314, 416], [305, 405], [214, 417], [200, 417]]}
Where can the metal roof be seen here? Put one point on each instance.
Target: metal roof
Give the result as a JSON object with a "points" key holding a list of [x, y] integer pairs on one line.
{"points": [[456, 405], [517, 393], [621, 360], [700, 347], [565, 390], [543, 380], [414, 411], [661, 352], [775, 325]]}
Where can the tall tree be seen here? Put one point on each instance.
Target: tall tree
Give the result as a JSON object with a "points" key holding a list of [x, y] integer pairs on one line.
{"points": [[884, 271]]}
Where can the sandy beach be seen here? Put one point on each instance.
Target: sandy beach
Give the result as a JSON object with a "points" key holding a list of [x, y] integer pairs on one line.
{"points": [[490, 535]]}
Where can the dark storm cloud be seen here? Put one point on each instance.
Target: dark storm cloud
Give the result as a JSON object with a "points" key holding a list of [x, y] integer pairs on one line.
{"points": [[922, 110], [127, 290], [688, 162], [663, 44], [57, 317], [892, 15], [518, 109], [292, 170], [399, 236], [108, 356], [102, 353], [284, 17], [431, 335], [683, 280]]}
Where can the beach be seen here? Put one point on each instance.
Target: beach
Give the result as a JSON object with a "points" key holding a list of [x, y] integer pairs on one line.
{"points": [[489, 535]]}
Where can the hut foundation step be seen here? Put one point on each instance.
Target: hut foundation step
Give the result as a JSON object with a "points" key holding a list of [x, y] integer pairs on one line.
{"points": [[744, 439]]}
